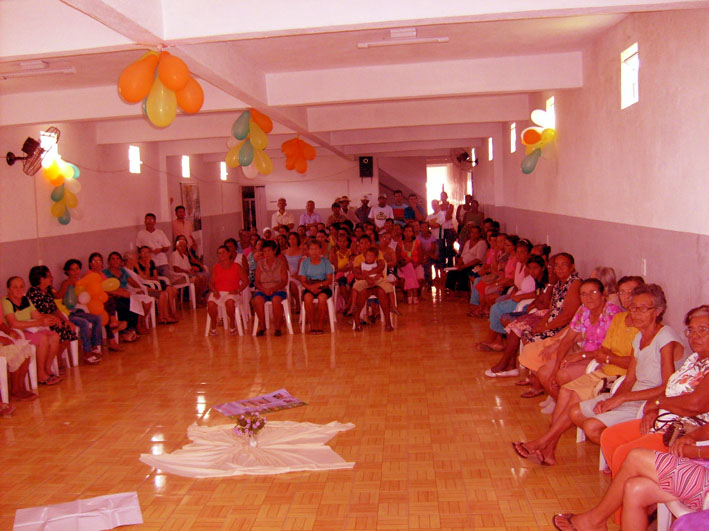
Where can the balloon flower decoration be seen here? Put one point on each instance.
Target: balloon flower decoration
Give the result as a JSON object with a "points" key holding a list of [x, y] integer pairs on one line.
{"points": [[298, 153], [536, 137], [90, 291], [251, 128], [162, 93], [63, 177]]}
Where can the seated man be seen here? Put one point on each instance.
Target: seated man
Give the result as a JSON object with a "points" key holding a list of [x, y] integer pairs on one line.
{"points": [[370, 275]]}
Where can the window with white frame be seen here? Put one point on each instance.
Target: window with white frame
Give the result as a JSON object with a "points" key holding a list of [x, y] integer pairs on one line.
{"points": [[134, 159], [185, 166], [629, 68], [551, 113], [513, 137], [222, 171], [490, 154]]}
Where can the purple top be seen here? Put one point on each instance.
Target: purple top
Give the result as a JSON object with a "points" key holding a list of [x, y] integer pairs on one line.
{"points": [[593, 333]]}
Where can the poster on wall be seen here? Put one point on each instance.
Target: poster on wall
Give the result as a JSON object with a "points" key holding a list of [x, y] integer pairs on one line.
{"points": [[190, 200]]}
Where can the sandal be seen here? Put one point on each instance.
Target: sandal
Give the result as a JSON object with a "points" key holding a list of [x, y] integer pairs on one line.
{"points": [[532, 393], [523, 382], [6, 409], [564, 519], [261, 332], [92, 360], [521, 450], [52, 380]]}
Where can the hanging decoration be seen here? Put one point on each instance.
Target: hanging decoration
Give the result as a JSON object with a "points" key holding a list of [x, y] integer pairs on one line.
{"points": [[247, 144], [298, 153], [62, 175], [163, 83], [536, 137], [91, 291]]}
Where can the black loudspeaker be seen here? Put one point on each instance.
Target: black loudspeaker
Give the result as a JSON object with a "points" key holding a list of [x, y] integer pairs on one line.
{"points": [[366, 167]]}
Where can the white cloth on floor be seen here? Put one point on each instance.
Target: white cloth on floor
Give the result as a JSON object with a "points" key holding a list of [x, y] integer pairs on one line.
{"points": [[282, 447]]}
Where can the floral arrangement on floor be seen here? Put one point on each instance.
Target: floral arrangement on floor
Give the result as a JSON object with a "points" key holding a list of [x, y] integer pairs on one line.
{"points": [[249, 424]]}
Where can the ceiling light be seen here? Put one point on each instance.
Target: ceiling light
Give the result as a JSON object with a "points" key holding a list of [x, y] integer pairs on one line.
{"points": [[402, 36], [38, 72]]}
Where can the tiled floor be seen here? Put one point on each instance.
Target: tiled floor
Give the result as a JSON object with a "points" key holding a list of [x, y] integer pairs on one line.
{"points": [[431, 437]]}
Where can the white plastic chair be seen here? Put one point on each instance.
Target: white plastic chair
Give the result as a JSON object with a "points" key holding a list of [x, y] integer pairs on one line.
{"points": [[222, 316], [268, 313], [363, 313], [330, 311], [592, 366], [4, 388], [675, 508], [182, 284]]}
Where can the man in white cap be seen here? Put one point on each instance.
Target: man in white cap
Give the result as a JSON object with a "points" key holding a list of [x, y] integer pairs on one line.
{"points": [[347, 211], [281, 217], [362, 212]]}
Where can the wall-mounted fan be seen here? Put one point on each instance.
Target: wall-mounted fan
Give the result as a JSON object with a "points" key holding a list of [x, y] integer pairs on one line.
{"points": [[462, 159], [35, 150]]}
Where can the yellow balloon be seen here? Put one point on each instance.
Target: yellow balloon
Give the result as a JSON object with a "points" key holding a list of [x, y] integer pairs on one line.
{"points": [[548, 135], [70, 199], [58, 209], [65, 170], [161, 105], [51, 172], [72, 185], [258, 138], [232, 156], [111, 284], [263, 162]]}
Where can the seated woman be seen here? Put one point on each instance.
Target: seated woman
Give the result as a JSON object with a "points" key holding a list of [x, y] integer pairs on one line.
{"points": [[17, 354], [89, 325], [607, 276], [315, 274], [409, 260], [657, 353], [147, 271], [489, 265], [341, 259], [19, 313], [180, 262], [226, 283], [492, 284], [131, 289], [114, 324], [271, 281], [545, 322], [653, 472], [472, 254], [41, 294], [255, 255], [369, 272], [529, 276], [588, 328]]}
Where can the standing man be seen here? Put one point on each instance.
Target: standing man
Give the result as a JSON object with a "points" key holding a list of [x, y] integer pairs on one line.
{"points": [[183, 227], [281, 217], [381, 212], [348, 212], [414, 212], [337, 215], [398, 207], [362, 212], [158, 243], [309, 216]]}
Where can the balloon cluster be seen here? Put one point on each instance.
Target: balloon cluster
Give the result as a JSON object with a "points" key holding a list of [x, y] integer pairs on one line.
{"points": [[298, 153], [536, 137], [63, 176], [162, 93], [251, 127], [90, 291]]}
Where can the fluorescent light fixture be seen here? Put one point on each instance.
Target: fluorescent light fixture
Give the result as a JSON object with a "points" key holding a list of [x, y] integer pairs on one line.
{"points": [[38, 72], [402, 36]]}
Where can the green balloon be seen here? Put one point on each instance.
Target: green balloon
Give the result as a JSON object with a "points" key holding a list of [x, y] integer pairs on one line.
{"points": [[240, 129], [246, 154], [77, 171], [65, 218], [530, 161], [58, 193]]}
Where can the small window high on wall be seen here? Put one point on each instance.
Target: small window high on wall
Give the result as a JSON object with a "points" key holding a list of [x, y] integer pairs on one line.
{"points": [[629, 68], [134, 159], [513, 137], [222, 171], [551, 113], [490, 154], [186, 166]]}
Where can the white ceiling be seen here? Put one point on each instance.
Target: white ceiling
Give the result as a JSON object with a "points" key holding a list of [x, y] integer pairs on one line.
{"points": [[299, 62]]}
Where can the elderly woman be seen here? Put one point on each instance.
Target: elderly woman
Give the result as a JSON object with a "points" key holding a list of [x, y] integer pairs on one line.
{"points": [[19, 313], [227, 281], [546, 322], [180, 262], [41, 294], [89, 325], [472, 254], [147, 271], [657, 352], [588, 328], [271, 281], [315, 275], [653, 472], [501, 277]]}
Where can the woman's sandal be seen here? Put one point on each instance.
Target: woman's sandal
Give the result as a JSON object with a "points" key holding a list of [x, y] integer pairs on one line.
{"points": [[564, 520], [523, 382], [52, 380], [532, 393], [521, 450]]}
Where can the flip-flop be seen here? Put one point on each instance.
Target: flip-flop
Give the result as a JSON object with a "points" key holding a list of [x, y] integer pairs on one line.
{"points": [[563, 519], [52, 380], [537, 457], [521, 449], [532, 393], [524, 382]]}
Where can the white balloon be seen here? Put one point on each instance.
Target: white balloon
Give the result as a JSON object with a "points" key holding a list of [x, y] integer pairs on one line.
{"points": [[84, 297], [250, 171], [72, 185], [542, 119]]}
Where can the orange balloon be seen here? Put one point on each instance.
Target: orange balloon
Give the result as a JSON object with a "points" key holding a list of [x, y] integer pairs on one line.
{"points": [[301, 166], [290, 163], [95, 306], [530, 136], [173, 72], [136, 79], [190, 98], [263, 121], [308, 151]]}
